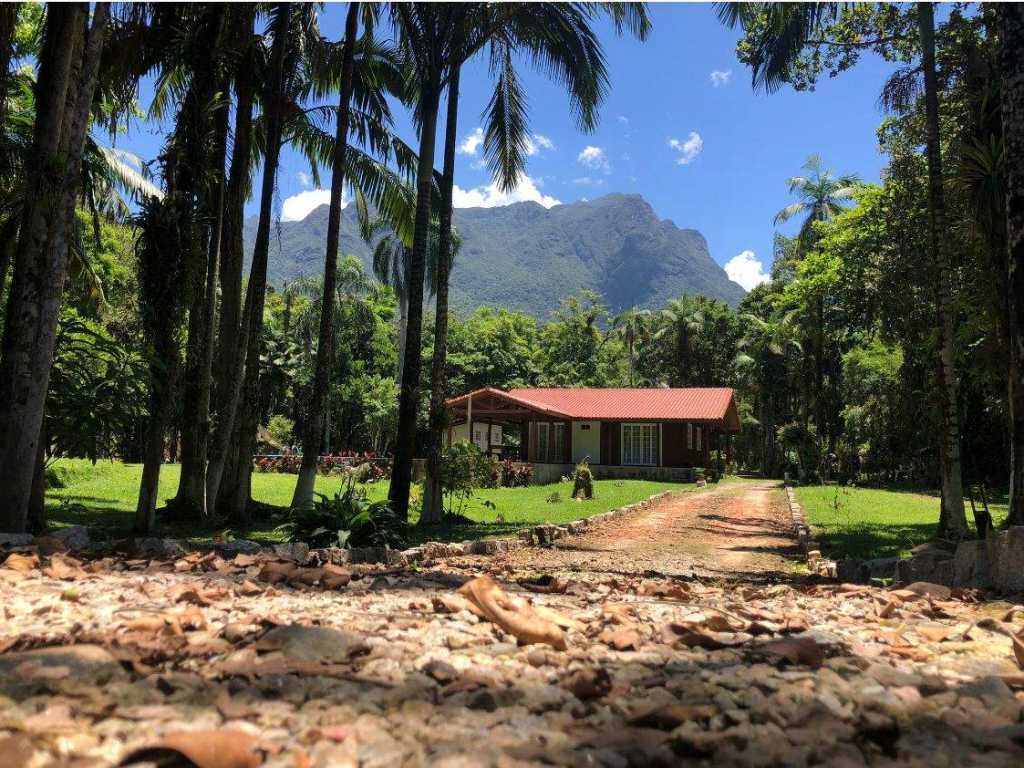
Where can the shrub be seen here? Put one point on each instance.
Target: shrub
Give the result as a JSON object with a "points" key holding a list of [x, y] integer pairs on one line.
{"points": [[583, 482], [464, 468], [515, 475], [347, 520], [281, 428]]}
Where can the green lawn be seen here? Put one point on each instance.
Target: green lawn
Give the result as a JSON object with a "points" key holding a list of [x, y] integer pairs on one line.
{"points": [[870, 522], [103, 497]]}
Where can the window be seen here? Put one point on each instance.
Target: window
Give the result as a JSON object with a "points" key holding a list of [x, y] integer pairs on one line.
{"points": [[689, 437], [640, 444], [698, 431], [550, 442]]}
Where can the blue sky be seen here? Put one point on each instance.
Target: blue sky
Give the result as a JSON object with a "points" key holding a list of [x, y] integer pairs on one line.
{"points": [[681, 126]]}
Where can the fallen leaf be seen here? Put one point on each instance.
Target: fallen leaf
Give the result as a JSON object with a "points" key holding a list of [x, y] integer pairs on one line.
{"points": [[205, 749], [1009, 615], [21, 563], [928, 589], [695, 637], [517, 617], [796, 650], [17, 751], [63, 569], [625, 639], [546, 584], [1018, 650], [935, 634], [274, 573]]}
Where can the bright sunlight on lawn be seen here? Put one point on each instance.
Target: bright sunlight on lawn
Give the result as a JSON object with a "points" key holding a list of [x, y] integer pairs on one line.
{"points": [[103, 497], [869, 522]]}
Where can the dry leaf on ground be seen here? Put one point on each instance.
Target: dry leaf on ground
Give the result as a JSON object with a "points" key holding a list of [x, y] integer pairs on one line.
{"points": [[205, 749], [515, 616]]}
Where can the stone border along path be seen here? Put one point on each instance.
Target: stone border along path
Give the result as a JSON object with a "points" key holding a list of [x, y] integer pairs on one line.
{"points": [[76, 538], [817, 563]]}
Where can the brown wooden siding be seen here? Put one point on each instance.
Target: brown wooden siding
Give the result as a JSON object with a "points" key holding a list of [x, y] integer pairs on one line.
{"points": [[611, 433], [673, 446]]}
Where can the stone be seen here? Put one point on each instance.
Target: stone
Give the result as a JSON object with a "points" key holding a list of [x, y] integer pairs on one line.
{"points": [[971, 564], [83, 662], [159, 549], [881, 568], [297, 551], [1010, 574], [850, 571], [15, 539], [74, 537], [302, 643], [239, 546]]}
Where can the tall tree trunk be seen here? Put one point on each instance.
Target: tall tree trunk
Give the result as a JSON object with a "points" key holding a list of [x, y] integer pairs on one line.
{"points": [[191, 498], [1011, 33], [40, 265], [8, 23], [432, 501], [315, 420], [403, 325], [953, 520], [408, 403], [190, 501], [235, 498], [231, 335]]}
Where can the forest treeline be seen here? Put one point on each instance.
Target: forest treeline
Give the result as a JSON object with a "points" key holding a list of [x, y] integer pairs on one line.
{"points": [[887, 346]]}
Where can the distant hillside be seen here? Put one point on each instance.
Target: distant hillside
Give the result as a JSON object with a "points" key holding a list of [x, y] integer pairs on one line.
{"points": [[528, 257]]}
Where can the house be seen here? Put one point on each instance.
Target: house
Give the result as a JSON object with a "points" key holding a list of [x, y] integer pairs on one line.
{"points": [[651, 433]]}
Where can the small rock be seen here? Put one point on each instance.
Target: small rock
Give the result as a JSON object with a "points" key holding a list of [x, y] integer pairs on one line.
{"points": [[311, 643], [15, 539], [159, 549], [75, 537], [238, 546], [297, 551]]}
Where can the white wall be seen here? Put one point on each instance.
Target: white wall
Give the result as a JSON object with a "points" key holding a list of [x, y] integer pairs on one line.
{"points": [[461, 432], [586, 441]]}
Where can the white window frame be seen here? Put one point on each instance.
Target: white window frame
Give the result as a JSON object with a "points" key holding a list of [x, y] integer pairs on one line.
{"points": [[648, 444]]}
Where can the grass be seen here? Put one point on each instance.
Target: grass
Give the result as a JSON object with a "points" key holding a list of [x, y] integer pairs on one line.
{"points": [[103, 496], [869, 522]]}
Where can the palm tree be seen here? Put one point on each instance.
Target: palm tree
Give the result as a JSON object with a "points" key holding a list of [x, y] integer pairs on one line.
{"points": [[303, 496], [631, 326], [1011, 34], [68, 63], [952, 519], [438, 39], [821, 194], [785, 30], [683, 319], [763, 361]]}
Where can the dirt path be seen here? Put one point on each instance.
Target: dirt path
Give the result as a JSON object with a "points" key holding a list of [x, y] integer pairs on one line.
{"points": [[741, 663], [739, 529]]}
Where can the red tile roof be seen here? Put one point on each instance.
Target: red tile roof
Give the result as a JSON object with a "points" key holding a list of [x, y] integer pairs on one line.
{"points": [[713, 404]]}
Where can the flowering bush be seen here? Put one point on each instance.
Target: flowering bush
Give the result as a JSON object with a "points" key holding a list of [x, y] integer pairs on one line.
{"points": [[515, 474], [377, 468]]}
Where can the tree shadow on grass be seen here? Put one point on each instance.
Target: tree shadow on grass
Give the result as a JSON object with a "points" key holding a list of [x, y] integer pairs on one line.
{"points": [[872, 540]]}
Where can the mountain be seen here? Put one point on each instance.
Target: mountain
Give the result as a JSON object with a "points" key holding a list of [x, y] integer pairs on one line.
{"points": [[527, 257]]}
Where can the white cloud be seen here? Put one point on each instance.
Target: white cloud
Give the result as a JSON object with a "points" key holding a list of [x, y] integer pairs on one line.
{"points": [[689, 149], [594, 157], [623, 119], [471, 143], [297, 207], [720, 77], [305, 179], [588, 181], [531, 147], [543, 141], [747, 270], [491, 196]]}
